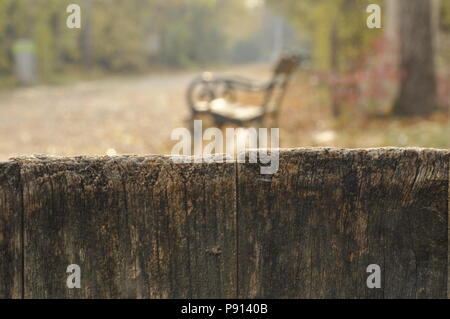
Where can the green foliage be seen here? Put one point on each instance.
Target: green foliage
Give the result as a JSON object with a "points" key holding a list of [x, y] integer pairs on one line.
{"points": [[316, 20], [445, 16], [115, 34]]}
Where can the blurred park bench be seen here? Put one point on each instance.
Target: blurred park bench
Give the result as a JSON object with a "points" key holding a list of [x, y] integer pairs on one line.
{"points": [[217, 96]]}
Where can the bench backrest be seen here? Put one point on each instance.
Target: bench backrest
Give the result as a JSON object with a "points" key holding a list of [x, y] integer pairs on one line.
{"points": [[280, 80]]}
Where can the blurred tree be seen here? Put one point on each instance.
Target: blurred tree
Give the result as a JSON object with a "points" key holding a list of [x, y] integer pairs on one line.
{"points": [[418, 90], [337, 32], [115, 33], [327, 24], [86, 33], [445, 16], [5, 38]]}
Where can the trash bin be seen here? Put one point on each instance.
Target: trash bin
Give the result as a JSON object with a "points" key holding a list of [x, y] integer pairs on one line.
{"points": [[25, 61]]}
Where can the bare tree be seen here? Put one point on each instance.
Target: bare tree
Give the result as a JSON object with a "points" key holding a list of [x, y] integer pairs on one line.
{"points": [[418, 89], [334, 64], [86, 34]]}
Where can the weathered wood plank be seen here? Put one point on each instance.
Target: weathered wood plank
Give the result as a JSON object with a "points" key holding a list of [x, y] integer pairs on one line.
{"points": [[149, 228], [137, 227], [311, 230], [10, 231], [448, 232]]}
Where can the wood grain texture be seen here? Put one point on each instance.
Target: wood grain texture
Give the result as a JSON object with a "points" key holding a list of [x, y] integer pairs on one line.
{"points": [[145, 227], [311, 230], [137, 227], [10, 231]]}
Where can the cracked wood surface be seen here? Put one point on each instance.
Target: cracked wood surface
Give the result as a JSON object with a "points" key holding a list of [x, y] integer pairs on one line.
{"points": [[138, 228], [145, 227], [10, 231], [327, 214]]}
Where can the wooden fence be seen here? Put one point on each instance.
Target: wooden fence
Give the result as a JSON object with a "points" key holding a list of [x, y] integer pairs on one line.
{"points": [[145, 227]]}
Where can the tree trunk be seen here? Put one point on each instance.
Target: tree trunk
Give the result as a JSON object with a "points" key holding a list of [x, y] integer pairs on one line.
{"points": [[86, 33], [418, 89], [334, 64], [392, 14]]}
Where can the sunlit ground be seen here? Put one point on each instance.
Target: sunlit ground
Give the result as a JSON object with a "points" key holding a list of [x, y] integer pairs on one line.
{"points": [[136, 115], [306, 120]]}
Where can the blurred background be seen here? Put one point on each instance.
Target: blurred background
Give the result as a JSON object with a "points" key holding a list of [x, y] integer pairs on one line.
{"points": [[118, 84]]}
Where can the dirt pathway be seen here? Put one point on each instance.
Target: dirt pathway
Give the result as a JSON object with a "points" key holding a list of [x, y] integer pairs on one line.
{"points": [[128, 115]]}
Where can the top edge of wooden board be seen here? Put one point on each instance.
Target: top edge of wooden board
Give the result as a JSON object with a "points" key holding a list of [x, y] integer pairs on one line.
{"points": [[220, 158]]}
